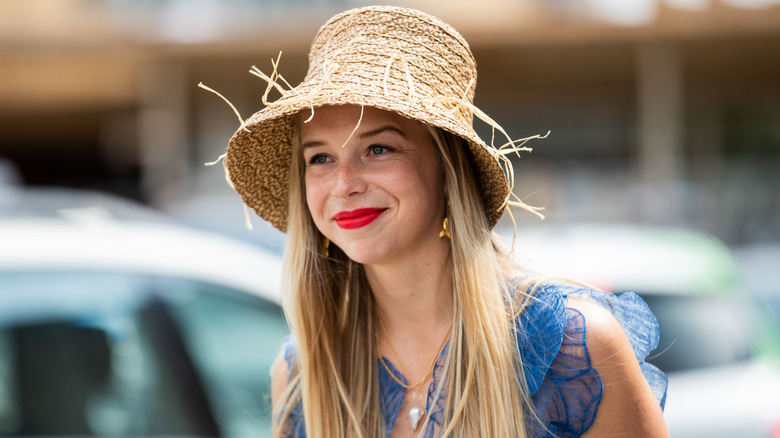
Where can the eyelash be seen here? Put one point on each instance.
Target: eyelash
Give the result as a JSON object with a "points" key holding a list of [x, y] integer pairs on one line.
{"points": [[315, 157], [383, 147]]}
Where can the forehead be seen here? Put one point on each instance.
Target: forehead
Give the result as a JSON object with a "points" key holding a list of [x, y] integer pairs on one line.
{"points": [[337, 118]]}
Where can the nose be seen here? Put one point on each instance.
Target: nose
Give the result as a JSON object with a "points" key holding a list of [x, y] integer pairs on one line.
{"points": [[349, 179]]}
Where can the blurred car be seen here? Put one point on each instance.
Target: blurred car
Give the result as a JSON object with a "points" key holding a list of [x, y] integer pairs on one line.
{"points": [[719, 350], [759, 262], [223, 214], [204, 201], [115, 321]]}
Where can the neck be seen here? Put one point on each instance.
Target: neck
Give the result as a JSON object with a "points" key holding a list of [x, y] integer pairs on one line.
{"points": [[414, 299]]}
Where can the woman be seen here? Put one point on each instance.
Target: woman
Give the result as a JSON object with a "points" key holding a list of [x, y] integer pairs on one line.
{"points": [[408, 319]]}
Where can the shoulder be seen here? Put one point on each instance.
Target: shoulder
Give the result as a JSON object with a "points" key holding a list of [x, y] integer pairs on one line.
{"points": [[556, 310], [280, 375], [612, 357], [286, 406], [604, 337], [604, 332], [583, 357], [281, 369]]}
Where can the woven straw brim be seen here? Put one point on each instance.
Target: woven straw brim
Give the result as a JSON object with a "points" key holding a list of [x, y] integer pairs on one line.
{"points": [[258, 161], [394, 59]]}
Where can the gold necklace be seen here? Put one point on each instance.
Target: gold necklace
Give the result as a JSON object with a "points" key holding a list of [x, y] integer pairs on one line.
{"points": [[415, 413]]}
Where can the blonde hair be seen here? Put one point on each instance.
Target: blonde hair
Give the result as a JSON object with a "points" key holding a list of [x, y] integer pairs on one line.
{"points": [[330, 308]]}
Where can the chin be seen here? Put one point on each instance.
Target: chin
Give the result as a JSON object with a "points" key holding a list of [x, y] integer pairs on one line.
{"points": [[365, 257], [370, 254]]}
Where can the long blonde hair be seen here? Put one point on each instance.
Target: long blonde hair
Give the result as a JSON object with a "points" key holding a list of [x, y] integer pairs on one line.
{"points": [[330, 308]]}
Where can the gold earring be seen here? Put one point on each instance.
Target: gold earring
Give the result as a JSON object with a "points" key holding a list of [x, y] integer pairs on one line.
{"points": [[325, 245], [445, 232]]}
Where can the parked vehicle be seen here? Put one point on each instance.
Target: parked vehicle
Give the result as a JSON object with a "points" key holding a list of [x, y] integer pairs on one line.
{"points": [[718, 348], [211, 205], [115, 321], [759, 262]]}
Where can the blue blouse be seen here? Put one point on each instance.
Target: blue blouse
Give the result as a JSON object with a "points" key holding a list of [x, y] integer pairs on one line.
{"points": [[565, 390]]}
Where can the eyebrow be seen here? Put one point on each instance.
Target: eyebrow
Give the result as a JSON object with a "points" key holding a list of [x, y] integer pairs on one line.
{"points": [[382, 129], [312, 144], [377, 131]]}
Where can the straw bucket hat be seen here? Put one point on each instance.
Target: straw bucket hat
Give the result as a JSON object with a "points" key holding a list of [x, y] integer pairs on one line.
{"points": [[391, 58]]}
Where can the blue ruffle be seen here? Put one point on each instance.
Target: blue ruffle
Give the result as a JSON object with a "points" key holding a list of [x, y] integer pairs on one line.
{"points": [[641, 328], [392, 394], [565, 389], [294, 427], [570, 391], [540, 334]]}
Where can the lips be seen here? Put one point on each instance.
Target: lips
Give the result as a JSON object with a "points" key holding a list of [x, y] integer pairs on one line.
{"points": [[361, 217]]}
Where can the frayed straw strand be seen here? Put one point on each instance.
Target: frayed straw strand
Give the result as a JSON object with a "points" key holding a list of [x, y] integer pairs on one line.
{"points": [[328, 68], [518, 145], [529, 208], [240, 119], [224, 168], [510, 147], [514, 232], [311, 116], [215, 162], [409, 78], [276, 69], [247, 218], [356, 127], [463, 97], [387, 73], [269, 79]]}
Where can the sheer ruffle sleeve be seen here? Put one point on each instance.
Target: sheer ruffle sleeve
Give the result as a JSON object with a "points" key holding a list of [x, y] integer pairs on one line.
{"points": [[564, 387]]}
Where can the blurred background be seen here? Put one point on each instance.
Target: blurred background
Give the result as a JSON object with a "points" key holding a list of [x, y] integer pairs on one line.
{"points": [[664, 121], [660, 111]]}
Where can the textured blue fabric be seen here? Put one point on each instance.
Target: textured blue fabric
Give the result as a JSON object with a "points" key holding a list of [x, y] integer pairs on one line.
{"points": [[294, 427], [392, 394], [564, 388]]}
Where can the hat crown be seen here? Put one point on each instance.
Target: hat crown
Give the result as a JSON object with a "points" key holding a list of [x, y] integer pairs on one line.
{"points": [[397, 53]]}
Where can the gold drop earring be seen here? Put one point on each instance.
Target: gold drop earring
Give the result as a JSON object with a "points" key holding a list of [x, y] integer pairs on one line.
{"points": [[325, 246], [445, 232]]}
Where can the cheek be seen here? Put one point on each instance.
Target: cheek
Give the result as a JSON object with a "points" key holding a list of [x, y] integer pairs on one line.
{"points": [[314, 199], [429, 183], [423, 189]]}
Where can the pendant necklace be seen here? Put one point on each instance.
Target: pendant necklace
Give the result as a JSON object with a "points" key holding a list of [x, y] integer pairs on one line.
{"points": [[416, 413]]}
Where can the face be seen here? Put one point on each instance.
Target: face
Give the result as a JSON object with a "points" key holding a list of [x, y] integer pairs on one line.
{"points": [[377, 192]]}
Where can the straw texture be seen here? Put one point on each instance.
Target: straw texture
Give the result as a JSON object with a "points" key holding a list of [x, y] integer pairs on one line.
{"points": [[391, 58]]}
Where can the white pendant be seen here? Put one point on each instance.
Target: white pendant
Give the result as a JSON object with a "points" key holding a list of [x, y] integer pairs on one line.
{"points": [[415, 415]]}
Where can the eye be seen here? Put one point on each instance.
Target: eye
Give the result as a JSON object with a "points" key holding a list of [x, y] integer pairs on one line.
{"points": [[378, 149], [318, 159]]}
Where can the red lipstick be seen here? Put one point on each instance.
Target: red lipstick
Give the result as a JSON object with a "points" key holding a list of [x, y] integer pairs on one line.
{"points": [[361, 217]]}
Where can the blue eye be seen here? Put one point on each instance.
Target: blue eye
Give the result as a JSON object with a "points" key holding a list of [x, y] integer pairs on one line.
{"points": [[378, 149], [318, 159]]}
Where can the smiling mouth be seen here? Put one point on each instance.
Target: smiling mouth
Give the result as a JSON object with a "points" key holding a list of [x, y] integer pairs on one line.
{"points": [[361, 217]]}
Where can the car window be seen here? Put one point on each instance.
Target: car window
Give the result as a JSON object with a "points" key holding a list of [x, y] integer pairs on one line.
{"points": [[700, 331], [118, 354], [234, 340]]}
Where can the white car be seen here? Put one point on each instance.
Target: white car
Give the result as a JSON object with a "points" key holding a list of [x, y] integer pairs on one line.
{"points": [[117, 322], [720, 351]]}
